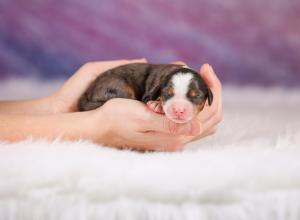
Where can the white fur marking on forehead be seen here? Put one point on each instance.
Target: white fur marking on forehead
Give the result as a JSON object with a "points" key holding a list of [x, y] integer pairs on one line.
{"points": [[181, 82]]}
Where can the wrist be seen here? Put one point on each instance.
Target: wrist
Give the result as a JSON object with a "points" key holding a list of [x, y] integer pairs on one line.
{"points": [[54, 104], [37, 106], [61, 104], [46, 105], [92, 125]]}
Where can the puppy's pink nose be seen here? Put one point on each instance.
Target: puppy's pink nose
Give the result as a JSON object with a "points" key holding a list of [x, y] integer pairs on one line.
{"points": [[179, 111]]}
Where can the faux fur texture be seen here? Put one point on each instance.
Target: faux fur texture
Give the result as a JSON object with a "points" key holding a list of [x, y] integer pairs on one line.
{"points": [[249, 170]]}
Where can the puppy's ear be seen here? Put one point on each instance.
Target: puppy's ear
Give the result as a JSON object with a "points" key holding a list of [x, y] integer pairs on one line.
{"points": [[152, 94], [210, 96]]}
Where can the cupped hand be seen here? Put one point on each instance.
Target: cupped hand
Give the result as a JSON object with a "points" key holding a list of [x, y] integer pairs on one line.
{"points": [[65, 99], [210, 117], [129, 123]]}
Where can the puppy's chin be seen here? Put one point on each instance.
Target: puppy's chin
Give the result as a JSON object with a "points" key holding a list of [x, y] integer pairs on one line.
{"points": [[179, 121]]}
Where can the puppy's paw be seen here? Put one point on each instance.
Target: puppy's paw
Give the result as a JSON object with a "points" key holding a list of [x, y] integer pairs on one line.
{"points": [[155, 107]]}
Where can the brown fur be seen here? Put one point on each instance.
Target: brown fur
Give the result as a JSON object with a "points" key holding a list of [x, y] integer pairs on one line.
{"points": [[140, 81]]}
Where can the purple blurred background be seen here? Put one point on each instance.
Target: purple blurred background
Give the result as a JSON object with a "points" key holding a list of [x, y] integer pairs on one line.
{"points": [[248, 42]]}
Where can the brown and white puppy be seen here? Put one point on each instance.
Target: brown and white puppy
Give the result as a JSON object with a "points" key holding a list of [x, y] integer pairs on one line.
{"points": [[175, 90]]}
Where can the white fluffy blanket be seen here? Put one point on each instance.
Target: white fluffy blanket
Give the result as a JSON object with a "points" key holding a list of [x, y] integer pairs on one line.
{"points": [[249, 170]]}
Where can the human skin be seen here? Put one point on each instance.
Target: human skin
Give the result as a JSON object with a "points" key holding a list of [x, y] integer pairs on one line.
{"points": [[57, 116]]}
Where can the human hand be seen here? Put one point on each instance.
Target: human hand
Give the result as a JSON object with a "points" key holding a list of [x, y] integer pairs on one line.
{"points": [[65, 99], [165, 135], [210, 117], [130, 123]]}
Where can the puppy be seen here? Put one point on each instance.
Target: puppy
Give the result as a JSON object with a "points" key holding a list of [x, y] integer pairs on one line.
{"points": [[175, 90]]}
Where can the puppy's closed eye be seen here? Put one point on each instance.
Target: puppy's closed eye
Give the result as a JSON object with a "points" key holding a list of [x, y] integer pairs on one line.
{"points": [[195, 94], [192, 93]]}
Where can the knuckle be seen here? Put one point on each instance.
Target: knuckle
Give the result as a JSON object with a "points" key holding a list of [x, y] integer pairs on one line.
{"points": [[87, 65]]}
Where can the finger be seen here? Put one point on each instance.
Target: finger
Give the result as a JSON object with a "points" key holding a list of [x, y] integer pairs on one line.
{"points": [[209, 76], [210, 111], [158, 141], [149, 140], [207, 126], [211, 118], [161, 123], [99, 67], [96, 68], [88, 73], [155, 106], [211, 123], [211, 131], [159, 109], [179, 63], [214, 84]]}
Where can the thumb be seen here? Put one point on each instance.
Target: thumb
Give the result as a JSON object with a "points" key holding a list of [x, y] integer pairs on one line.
{"points": [[209, 76]]}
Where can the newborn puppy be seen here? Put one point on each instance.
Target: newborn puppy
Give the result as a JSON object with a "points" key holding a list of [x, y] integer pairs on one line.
{"points": [[175, 90]]}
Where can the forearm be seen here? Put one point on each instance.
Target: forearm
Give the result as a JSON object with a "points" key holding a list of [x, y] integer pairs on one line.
{"points": [[39, 106], [18, 127]]}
